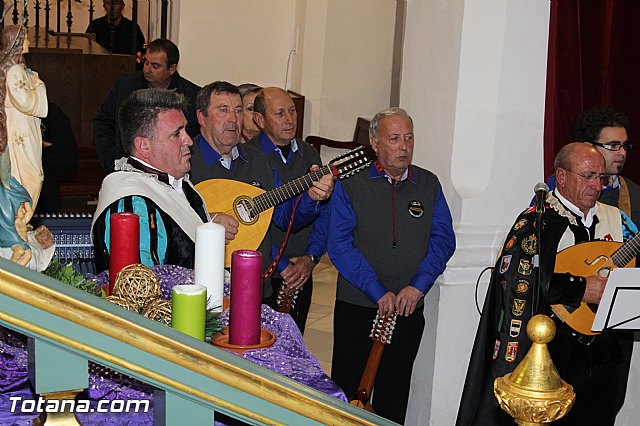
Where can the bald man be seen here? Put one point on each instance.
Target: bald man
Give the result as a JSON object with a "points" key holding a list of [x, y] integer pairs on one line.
{"points": [[276, 117], [593, 365]]}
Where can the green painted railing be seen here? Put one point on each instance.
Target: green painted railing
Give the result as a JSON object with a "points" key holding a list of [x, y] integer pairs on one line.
{"points": [[195, 380]]}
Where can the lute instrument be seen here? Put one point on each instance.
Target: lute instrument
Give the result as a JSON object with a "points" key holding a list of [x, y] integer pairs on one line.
{"points": [[592, 258], [253, 206]]}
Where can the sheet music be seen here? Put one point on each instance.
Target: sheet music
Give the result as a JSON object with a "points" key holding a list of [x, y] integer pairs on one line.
{"points": [[623, 291]]}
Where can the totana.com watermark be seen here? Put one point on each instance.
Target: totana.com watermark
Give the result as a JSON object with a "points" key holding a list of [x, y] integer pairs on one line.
{"points": [[42, 405]]}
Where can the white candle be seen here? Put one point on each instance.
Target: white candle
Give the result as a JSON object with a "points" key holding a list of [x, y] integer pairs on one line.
{"points": [[209, 262]]}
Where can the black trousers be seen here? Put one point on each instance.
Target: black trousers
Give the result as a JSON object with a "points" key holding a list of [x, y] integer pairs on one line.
{"points": [[597, 369], [300, 310], [351, 346]]}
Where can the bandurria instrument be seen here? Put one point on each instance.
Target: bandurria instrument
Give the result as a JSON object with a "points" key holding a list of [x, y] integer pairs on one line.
{"points": [[253, 206], [592, 258], [381, 334]]}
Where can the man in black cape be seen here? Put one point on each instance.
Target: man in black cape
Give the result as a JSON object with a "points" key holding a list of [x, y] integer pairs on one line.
{"points": [[591, 365]]}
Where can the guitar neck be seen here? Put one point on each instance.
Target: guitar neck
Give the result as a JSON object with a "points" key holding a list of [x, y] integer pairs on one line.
{"points": [[627, 252], [369, 374], [289, 190]]}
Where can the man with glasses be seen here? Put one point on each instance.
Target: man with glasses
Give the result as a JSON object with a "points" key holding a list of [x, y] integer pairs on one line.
{"points": [[606, 129], [596, 366]]}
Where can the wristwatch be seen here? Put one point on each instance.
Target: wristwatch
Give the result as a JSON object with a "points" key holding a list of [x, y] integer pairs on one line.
{"points": [[315, 259]]}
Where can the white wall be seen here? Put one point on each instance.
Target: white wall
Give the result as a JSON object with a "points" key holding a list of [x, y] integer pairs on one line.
{"points": [[343, 63], [241, 41], [474, 80], [350, 63]]}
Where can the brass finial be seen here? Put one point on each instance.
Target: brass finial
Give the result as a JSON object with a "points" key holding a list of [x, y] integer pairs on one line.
{"points": [[534, 393]]}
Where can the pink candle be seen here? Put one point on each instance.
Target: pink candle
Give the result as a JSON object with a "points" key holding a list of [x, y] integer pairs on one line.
{"points": [[124, 244], [246, 297]]}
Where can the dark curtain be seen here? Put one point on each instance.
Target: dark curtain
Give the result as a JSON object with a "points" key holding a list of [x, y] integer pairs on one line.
{"points": [[593, 60]]}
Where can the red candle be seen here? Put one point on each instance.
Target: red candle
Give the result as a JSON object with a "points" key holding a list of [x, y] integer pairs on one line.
{"points": [[124, 244], [246, 297]]}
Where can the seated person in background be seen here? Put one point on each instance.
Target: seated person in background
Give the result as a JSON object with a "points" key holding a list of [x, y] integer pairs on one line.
{"points": [[248, 94], [160, 71], [218, 154], [115, 32], [59, 157], [152, 182]]}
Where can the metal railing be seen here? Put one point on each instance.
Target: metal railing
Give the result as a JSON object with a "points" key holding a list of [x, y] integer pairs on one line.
{"points": [[55, 11]]}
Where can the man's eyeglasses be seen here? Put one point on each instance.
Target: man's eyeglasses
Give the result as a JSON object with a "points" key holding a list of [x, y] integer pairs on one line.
{"points": [[605, 179], [615, 145]]}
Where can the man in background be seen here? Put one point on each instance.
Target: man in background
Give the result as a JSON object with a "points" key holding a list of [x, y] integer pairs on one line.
{"points": [[606, 129], [161, 72], [115, 32]]}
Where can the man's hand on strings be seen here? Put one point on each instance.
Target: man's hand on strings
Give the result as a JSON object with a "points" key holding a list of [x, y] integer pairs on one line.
{"points": [[321, 189]]}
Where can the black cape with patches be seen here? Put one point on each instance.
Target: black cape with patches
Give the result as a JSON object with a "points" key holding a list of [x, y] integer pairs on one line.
{"points": [[507, 308]]}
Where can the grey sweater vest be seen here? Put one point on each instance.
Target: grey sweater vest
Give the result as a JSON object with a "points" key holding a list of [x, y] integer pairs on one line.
{"points": [[376, 202]]}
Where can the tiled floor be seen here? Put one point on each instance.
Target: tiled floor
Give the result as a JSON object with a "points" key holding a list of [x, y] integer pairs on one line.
{"points": [[318, 333]]}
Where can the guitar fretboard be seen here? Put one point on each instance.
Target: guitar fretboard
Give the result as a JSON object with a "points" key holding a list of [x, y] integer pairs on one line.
{"points": [[289, 190], [627, 252]]}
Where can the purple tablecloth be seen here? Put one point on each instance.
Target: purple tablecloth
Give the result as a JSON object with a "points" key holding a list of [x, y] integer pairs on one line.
{"points": [[288, 356]]}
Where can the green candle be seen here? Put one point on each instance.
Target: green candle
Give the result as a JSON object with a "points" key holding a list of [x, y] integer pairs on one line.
{"points": [[188, 309]]}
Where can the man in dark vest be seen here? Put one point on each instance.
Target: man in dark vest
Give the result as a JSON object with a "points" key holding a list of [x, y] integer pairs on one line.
{"points": [[276, 116], [218, 154], [390, 237]]}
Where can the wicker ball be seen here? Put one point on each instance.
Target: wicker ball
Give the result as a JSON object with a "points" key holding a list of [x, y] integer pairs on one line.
{"points": [[122, 302], [159, 310], [138, 284]]}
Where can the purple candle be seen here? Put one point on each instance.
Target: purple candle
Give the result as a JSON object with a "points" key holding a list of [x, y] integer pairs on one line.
{"points": [[246, 297]]}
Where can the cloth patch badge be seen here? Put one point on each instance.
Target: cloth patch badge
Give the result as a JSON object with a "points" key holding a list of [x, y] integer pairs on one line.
{"points": [[514, 329], [523, 286], [519, 224], [496, 349], [415, 208], [525, 267], [518, 307], [512, 351], [510, 243], [530, 244], [504, 263]]}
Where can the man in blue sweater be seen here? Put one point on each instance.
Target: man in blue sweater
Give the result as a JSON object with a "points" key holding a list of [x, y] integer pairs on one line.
{"points": [[390, 237]]}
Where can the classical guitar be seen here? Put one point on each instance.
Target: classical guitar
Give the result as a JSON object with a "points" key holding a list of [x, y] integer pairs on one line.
{"points": [[253, 207], [381, 334], [592, 258]]}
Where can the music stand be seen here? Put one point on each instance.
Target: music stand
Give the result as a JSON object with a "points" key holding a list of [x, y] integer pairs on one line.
{"points": [[619, 307]]}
